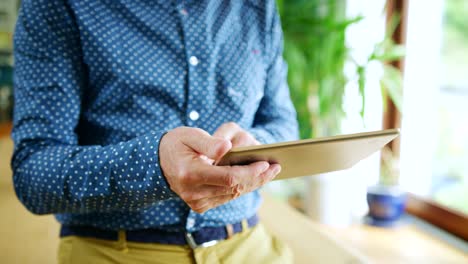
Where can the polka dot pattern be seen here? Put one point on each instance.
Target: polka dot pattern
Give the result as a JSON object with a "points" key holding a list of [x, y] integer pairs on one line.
{"points": [[99, 82]]}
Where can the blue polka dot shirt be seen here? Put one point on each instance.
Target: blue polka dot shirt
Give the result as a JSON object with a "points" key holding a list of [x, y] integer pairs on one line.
{"points": [[99, 82]]}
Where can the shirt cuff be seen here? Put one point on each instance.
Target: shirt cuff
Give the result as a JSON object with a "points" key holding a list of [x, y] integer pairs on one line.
{"points": [[139, 160]]}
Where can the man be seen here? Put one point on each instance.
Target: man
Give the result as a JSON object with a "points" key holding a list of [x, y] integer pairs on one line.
{"points": [[121, 107]]}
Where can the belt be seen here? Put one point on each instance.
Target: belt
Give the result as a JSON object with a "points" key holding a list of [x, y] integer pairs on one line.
{"points": [[205, 237]]}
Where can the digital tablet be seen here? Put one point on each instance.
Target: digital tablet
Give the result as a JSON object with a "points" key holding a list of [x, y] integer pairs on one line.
{"points": [[313, 156]]}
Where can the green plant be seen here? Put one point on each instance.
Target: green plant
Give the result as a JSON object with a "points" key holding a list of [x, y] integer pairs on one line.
{"points": [[384, 52], [316, 52], [315, 49]]}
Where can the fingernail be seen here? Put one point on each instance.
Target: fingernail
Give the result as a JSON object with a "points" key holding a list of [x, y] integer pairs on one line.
{"points": [[265, 166], [276, 170]]}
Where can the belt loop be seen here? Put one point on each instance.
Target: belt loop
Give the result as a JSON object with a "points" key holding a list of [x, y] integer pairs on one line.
{"points": [[122, 242], [245, 225]]}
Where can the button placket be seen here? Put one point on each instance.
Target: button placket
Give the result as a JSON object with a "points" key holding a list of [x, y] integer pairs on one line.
{"points": [[195, 66]]}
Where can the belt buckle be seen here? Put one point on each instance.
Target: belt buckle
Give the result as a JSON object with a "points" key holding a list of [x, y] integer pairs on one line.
{"points": [[193, 244]]}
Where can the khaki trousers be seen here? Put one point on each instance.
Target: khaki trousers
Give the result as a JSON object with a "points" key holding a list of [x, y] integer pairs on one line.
{"points": [[255, 245]]}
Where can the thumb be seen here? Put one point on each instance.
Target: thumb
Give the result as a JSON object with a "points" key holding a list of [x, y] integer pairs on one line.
{"points": [[203, 143]]}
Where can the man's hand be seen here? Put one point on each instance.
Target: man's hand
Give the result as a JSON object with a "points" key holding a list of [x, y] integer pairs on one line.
{"points": [[186, 156], [241, 138], [236, 135]]}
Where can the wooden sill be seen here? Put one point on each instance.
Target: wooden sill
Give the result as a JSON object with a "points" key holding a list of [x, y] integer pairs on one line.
{"points": [[438, 215], [5, 129], [408, 242]]}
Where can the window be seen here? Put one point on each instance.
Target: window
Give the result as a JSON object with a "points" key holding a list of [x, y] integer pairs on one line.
{"points": [[434, 150], [450, 167]]}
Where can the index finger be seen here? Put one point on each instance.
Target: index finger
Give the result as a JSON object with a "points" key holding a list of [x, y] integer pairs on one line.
{"points": [[227, 131], [201, 142], [227, 175]]}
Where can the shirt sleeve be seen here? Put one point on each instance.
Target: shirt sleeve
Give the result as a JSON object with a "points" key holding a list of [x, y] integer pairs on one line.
{"points": [[52, 172], [275, 119]]}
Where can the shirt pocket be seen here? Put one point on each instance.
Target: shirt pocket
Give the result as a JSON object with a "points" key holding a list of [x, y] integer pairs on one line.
{"points": [[241, 73]]}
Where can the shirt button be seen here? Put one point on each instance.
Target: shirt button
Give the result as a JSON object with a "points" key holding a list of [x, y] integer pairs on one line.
{"points": [[193, 61], [194, 115]]}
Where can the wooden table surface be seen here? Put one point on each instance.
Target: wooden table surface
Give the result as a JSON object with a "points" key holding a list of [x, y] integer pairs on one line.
{"points": [[309, 242], [406, 243]]}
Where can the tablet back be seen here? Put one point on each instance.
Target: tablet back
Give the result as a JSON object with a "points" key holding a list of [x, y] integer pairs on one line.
{"points": [[313, 156]]}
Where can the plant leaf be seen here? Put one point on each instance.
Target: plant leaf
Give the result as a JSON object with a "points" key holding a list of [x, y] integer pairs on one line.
{"points": [[361, 71], [390, 53], [392, 83]]}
